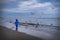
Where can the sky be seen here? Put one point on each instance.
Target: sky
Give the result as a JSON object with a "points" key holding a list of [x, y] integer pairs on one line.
{"points": [[31, 8]]}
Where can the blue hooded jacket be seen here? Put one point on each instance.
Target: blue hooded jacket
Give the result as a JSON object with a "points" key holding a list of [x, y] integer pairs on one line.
{"points": [[17, 23]]}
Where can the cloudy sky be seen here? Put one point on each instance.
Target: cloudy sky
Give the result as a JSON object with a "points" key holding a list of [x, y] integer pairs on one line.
{"points": [[31, 8]]}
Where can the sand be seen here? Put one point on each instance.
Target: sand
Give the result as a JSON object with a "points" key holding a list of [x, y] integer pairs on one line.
{"points": [[8, 34]]}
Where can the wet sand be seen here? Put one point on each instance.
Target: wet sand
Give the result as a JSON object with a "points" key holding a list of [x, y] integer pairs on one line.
{"points": [[7, 34]]}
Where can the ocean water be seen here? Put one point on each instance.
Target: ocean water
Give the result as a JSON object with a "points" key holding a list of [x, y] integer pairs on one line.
{"points": [[45, 21], [48, 31], [45, 32]]}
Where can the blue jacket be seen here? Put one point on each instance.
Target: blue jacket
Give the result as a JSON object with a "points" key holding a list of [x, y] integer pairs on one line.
{"points": [[17, 23]]}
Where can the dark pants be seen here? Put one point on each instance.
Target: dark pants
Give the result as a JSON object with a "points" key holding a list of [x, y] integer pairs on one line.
{"points": [[16, 27]]}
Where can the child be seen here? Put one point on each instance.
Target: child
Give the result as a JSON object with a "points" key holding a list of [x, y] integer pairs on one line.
{"points": [[16, 24]]}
